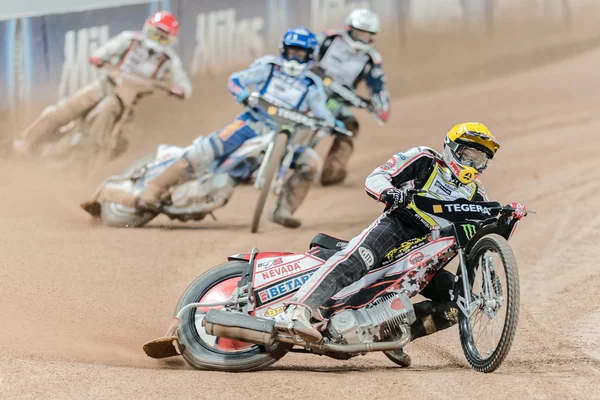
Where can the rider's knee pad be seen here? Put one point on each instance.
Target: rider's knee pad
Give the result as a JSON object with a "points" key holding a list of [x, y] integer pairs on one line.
{"points": [[200, 154]]}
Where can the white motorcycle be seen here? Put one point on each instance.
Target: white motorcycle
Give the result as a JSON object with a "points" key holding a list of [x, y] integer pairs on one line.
{"points": [[266, 159]]}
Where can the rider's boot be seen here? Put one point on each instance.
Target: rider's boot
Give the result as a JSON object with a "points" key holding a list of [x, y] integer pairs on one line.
{"points": [[299, 318], [334, 170], [399, 357], [292, 194], [152, 194]]}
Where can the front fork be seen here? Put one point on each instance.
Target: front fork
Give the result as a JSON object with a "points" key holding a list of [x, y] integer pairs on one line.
{"points": [[260, 174], [463, 297]]}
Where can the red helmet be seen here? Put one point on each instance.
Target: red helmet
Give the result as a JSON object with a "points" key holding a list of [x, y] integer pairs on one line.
{"points": [[162, 27]]}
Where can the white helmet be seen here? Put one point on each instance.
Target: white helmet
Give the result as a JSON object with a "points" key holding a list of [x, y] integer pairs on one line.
{"points": [[367, 23]]}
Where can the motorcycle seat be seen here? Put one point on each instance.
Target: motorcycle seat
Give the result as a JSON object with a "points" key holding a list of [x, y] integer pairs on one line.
{"points": [[327, 242]]}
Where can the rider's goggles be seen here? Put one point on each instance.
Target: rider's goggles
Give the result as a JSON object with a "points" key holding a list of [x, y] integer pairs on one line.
{"points": [[296, 53], [472, 157], [159, 36], [362, 36]]}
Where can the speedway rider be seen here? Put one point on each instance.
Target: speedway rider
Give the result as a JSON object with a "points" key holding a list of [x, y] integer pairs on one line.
{"points": [[284, 81], [449, 176], [347, 56], [147, 53]]}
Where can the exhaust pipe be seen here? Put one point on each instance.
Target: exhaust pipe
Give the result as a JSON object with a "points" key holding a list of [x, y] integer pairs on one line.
{"points": [[245, 328]]}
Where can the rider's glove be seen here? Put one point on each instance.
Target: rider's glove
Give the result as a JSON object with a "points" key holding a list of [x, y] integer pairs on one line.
{"points": [[395, 197], [340, 125], [520, 210], [384, 115], [242, 96], [97, 61]]}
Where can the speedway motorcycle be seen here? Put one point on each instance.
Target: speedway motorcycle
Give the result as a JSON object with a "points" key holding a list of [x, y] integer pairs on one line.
{"points": [[265, 159], [230, 318], [98, 135], [339, 95]]}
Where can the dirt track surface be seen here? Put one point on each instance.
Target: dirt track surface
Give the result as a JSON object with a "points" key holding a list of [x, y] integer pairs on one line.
{"points": [[79, 300]]}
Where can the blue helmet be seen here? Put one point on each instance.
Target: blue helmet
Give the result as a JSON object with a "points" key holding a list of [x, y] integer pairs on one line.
{"points": [[296, 62]]}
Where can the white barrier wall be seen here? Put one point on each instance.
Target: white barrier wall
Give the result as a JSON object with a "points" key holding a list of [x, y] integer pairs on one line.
{"points": [[44, 45]]}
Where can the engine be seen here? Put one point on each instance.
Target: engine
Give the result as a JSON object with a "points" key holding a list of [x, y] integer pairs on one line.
{"points": [[378, 321], [205, 194]]}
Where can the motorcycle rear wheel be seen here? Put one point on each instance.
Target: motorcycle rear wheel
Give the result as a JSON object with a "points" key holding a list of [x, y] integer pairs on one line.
{"points": [[206, 352], [510, 295], [119, 216], [273, 163]]}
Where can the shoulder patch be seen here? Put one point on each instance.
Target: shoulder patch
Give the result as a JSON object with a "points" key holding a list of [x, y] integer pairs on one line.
{"points": [[401, 156], [429, 150], [389, 164]]}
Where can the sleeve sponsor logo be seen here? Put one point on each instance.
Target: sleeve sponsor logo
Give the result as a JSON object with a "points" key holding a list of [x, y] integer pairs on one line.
{"points": [[391, 163]]}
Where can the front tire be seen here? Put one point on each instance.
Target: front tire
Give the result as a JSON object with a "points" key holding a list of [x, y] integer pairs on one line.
{"points": [[206, 352], [273, 164], [510, 295]]}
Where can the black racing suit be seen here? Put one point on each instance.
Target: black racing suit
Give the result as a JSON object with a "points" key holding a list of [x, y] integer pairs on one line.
{"points": [[416, 168]]}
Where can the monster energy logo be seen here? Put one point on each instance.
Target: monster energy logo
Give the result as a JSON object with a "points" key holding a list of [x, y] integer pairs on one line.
{"points": [[469, 230]]}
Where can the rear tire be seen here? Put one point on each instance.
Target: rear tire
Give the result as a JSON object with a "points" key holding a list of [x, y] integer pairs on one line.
{"points": [[499, 245], [200, 354], [118, 216], [273, 164]]}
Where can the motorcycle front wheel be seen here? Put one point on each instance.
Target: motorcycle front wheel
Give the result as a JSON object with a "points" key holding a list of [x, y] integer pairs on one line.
{"points": [[273, 160], [487, 335]]}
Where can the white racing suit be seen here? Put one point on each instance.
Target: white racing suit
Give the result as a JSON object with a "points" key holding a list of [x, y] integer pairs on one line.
{"points": [[349, 67], [303, 93], [416, 168], [133, 53]]}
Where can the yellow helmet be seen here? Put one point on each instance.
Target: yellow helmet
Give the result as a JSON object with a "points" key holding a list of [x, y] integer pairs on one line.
{"points": [[467, 149]]}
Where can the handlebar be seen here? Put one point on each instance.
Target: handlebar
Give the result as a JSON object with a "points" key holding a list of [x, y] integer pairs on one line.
{"points": [[501, 209], [116, 75], [273, 112], [350, 96]]}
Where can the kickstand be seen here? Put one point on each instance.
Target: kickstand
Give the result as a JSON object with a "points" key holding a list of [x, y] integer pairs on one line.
{"points": [[212, 215]]}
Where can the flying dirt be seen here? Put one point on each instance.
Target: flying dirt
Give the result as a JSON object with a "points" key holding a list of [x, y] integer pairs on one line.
{"points": [[79, 299]]}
